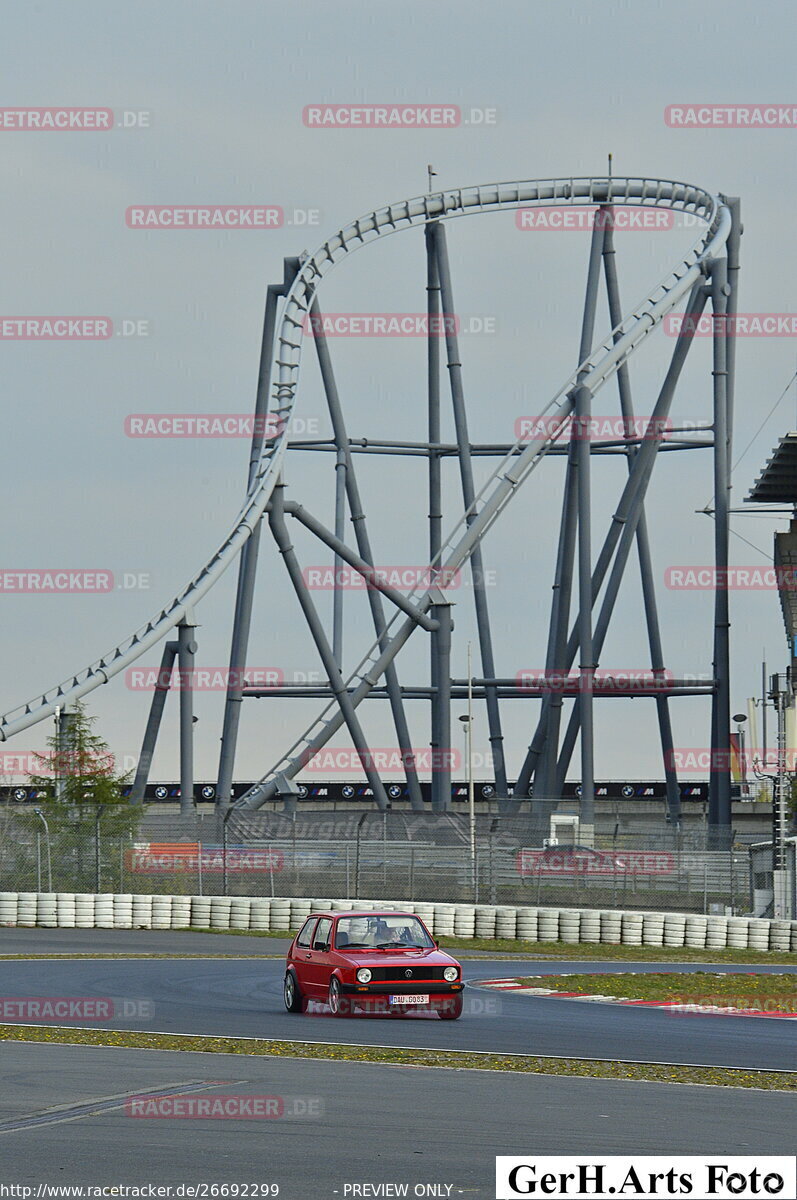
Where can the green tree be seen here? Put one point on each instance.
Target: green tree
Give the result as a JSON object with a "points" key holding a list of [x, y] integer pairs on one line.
{"points": [[89, 822]]}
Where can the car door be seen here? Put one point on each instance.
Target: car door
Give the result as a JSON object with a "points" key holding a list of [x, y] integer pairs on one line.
{"points": [[317, 966], [302, 953]]}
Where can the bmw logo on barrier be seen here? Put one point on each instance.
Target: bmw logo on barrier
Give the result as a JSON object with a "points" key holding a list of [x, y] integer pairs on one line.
{"points": [[208, 793], [161, 793], [394, 791], [578, 790], [628, 790], [408, 974], [302, 791], [20, 794], [487, 791], [348, 791]]}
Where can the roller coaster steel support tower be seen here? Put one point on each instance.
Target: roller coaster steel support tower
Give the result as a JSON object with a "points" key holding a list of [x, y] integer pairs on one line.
{"points": [[709, 271]]}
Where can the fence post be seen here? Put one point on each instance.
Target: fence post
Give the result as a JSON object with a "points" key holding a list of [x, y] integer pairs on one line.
{"points": [[347, 869], [97, 849], [38, 862], [412, 873], [271, 869], [705, 886], [224, 858], [199, 866]]}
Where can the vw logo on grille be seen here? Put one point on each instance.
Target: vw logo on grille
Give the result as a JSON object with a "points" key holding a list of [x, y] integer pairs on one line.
{"points": [[408, 974]]}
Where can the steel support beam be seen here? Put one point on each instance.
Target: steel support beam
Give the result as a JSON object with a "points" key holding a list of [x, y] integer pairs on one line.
{"points": [[719, 796], [162, 684], [643, 545], [363, 540], [441, 706], [344, 700], [469, 495], [340, 530], [186, 650], [247, 566]]}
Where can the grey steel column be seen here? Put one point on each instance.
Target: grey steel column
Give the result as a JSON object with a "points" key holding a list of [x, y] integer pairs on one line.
{"points": [[641, 473], [643, 546], [719, 796], [586, 660], [435, 462], [732, 247], [336, 683], [442, 749], [186, 649], [247, 567], [364, 546], [153, 722], [340, 530], [468, 496], [542, 752], [634, 489]]}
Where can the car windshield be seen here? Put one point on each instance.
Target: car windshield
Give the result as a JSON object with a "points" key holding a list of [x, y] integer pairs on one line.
{"points": [[382, 932]]}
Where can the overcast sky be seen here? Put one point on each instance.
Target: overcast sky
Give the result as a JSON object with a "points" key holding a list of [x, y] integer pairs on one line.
{"points": [[218, 93]]}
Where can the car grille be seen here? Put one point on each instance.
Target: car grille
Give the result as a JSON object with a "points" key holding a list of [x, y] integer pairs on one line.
{"points": [[399, 974]]}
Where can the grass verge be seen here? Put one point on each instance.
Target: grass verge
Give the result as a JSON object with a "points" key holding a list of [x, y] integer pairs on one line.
{"points": [[762, 993], [456, 1059]]}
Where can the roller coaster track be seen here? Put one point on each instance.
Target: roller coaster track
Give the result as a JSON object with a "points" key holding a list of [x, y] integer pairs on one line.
{"points": [[504, 482]]}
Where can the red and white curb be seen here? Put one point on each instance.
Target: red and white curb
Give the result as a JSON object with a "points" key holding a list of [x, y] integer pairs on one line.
{"points": [[673, 1006]]}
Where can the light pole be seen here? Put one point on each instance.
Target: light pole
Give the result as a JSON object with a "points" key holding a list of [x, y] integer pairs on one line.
{"points": [[467, 721], [38, 813], [744, 789]]}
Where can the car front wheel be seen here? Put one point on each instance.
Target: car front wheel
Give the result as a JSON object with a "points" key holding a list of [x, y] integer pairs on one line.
{"points": [[292, 994], [339, 1005], [451, 1009]]}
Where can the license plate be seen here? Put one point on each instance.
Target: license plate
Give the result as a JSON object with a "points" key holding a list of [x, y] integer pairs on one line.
{"points": [[413, 999]]}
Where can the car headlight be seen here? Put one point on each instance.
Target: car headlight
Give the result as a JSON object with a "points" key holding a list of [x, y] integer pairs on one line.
{"points": [[450, 974], [363, 975]]}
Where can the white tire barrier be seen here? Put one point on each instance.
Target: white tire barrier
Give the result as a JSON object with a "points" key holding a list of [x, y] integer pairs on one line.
{"points": [[142, 912], [26, 909], [220, 912], [300, 911], [118, 914], [240, 912], [696, 932], [674, 929], [611, 928], [590, 930], [632, 928], [281, 914], [465, 920], [570, 926], [527, 924], [200, 911], [181, 912], [548, 925], [260, 913], [738, 932], [161, 912], [9, 908], [47, 910], [505, 922]]}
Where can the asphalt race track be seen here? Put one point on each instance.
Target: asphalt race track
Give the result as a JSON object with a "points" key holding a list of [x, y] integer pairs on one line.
{"points": [[63, 1118], [243, 997]]}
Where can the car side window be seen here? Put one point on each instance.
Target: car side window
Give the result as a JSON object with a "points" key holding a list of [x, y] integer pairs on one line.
{"points": [[321, 938], [303, 939]]}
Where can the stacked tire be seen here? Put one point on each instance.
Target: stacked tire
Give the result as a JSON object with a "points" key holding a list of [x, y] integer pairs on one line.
{"points": [[161, 912], [260, 913], [65, 910], [9, 908], [85, 910], [548, 925], [200, 912], [506, 922], [633, 928], [590, 928], [26, 909], [696, 933], [674, 929], [527, 924], [47, 910], [240, 912], [611, 928], [118, 914], [653, 929]]}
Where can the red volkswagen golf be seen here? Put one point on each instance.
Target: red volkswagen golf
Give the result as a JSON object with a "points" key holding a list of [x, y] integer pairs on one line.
{"points": [[371, 961]]}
